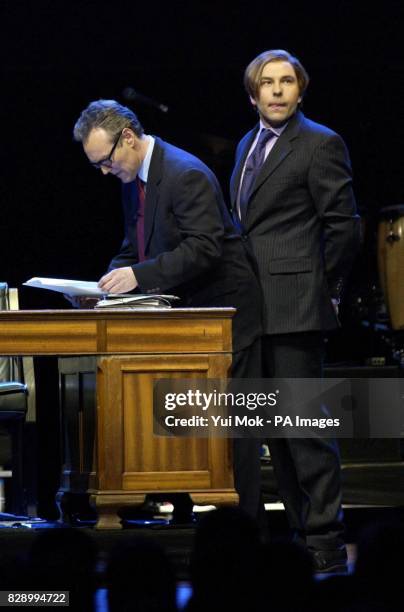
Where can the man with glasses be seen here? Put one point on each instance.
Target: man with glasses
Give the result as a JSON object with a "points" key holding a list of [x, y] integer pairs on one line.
{"points": [[107, 162], [179, 238]]}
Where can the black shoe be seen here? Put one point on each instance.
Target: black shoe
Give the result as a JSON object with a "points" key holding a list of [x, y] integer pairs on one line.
{"points": [[332, 561]]}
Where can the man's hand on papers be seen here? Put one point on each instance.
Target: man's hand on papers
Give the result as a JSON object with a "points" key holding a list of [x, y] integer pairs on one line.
{"points": [[81, 301], [121, 280]]}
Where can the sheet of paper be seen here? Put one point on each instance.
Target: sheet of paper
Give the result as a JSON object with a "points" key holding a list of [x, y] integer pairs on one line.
{"points": [[69, 287]]}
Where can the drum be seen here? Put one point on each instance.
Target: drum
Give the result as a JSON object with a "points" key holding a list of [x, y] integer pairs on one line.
{"points": [[390, 253]]}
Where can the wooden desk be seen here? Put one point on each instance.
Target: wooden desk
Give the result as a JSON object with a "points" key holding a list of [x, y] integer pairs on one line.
{"points": [[132, 349]]}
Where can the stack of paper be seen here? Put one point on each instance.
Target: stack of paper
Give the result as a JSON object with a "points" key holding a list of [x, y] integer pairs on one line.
{"points": [[137, 301]]}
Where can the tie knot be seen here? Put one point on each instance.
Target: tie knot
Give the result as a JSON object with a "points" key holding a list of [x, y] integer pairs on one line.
{"points": [[256, 159], [265, 135]]}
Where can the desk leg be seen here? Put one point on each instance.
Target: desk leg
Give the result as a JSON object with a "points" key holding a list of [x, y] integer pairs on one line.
{"points": [[108, 504]]}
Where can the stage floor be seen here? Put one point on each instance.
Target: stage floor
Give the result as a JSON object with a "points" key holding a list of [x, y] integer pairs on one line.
{"points": [[177, 540]]}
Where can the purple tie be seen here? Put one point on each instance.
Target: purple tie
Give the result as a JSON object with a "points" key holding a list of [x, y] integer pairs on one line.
{"points": [[252, 168]]}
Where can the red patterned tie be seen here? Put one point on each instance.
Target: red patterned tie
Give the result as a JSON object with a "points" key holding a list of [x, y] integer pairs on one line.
{"points": [[140, 219]]}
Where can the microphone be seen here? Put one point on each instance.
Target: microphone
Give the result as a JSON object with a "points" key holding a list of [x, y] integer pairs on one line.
{"points": [[132, 95]]}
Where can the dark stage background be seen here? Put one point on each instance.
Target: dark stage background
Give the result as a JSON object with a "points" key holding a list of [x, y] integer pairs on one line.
{"points": [[61, 218]]}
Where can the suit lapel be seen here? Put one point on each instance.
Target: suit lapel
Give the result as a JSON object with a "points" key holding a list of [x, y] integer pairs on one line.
{"points": [[239, 165], [152, 190], [280, 151], [277, 155]]}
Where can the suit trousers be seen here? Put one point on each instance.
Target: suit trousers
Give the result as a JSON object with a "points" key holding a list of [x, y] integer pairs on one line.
{"points": [[246, 451], [307, 470]]}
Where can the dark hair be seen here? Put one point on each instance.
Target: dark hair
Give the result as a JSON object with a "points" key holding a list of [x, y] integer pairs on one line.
{"points": [[108, 114], [253, 72]]}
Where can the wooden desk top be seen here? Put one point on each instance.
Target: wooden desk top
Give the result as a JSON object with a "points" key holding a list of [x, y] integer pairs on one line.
{"points": [[115, 331]]}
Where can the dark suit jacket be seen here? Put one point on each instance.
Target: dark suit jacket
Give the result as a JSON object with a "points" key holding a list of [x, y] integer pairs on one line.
{"points": [[191, 245], [301, 225]]}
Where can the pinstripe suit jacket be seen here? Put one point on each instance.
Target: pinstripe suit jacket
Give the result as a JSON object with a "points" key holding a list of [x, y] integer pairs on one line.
{"points": [[301, 225]]}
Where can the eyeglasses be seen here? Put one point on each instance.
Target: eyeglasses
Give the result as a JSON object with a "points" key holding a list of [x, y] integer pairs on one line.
{"points": [[107, 161]]}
